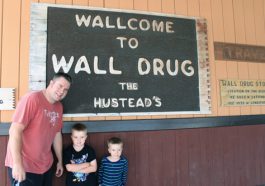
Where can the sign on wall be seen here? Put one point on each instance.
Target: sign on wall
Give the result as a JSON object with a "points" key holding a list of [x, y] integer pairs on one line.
{"points": [[242, 92], [7, 99], [122, 63]]}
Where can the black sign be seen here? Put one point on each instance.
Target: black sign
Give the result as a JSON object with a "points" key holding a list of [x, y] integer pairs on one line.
{"points": [[124, 62]]}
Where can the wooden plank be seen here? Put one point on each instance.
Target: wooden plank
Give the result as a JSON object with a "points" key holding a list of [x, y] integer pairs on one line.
{"points": [[10, 49], [111, 4], [249, 22], [194, 152], [80, 2], [140, 5], [251, 39], [229, 155], [128, 4], [217, 20], [254, 75], [96, 3], [155, 141], [259, 152], [1, 39], [216, 150], [65, 2], [229, 37], [259, 8], [193, 8], [169, 165], [181, 7], [205, 156], [221, 73], [259, 17], [240, 38], [262, 154], [47, 1], [3, 170], [97, 141], [183, 158], [168, 6], [177, 156], [220, 66], [24, 48], [142, 159], [154, 5]]}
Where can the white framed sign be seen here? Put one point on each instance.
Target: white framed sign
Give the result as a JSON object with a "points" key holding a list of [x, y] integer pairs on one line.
{"points": [[122, 62]]}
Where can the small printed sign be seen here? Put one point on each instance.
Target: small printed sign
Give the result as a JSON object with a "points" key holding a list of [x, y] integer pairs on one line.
{"points": [[242, 92], [7, 99]]}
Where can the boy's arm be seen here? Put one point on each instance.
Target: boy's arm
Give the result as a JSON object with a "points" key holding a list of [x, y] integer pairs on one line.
{"points": [[91, 168], [125, 173], [87, 167], [76, 167], [100, 173]]}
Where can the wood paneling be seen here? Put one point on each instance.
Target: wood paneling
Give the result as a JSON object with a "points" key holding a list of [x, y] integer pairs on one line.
{"points": [[223, 156], [10, 49], [237, 21]]}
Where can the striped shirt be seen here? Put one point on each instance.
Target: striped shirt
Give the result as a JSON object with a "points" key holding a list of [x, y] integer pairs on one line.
{"points": [[113, 173]]}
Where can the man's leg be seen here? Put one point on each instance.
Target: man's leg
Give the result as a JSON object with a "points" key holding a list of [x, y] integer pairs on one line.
{"points": [[31, 179], [47, 178]]}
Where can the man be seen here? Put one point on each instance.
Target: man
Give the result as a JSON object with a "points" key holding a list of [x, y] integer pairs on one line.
{"points": [[36, 126]]}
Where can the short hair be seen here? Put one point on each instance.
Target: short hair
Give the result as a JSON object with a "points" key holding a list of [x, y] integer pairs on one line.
{"points": [[114, 140], [64, 75], [79, 127]]}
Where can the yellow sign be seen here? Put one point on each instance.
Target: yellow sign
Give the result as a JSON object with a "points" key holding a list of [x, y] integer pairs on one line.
{"points": [[7, 99], [242, 92]]}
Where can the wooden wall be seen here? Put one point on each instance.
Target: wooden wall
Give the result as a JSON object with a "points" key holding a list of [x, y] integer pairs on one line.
{"points": [[233, 21], [225, 156]]}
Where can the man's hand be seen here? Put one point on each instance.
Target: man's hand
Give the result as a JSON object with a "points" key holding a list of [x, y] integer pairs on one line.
{"points": [[59, 169], [18, 173]]}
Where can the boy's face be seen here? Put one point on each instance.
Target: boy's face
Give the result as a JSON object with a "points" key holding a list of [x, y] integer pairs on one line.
{"points": [[79, 138], [115, 150]]}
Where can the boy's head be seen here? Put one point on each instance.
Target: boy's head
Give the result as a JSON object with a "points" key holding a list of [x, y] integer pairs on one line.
{"points": [[79, 135], [115, 146]]}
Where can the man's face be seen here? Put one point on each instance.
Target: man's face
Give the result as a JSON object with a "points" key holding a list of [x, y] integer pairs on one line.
{"points": [[59, 88]]}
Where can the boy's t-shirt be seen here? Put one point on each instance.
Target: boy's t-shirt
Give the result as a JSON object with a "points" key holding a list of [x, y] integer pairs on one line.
{"points": [[87, 154]]}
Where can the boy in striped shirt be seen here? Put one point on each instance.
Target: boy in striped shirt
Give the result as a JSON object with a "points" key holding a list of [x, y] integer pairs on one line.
{"points": [[114, 168]]}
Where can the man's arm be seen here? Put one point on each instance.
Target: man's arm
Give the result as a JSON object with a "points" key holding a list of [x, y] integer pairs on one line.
{"points": [[83, 167], [58, 147], [15, 145]]}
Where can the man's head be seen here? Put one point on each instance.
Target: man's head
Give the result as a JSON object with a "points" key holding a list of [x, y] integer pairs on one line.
{"points": [[58, 87]]}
